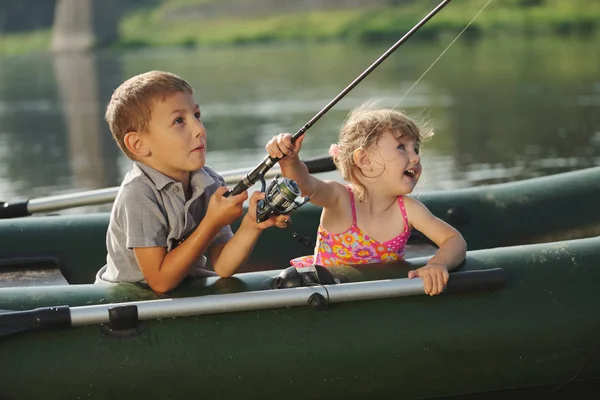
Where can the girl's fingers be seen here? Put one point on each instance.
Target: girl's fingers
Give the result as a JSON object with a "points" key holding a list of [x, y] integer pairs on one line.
{"points": [[440, 280], [286, 145], [426, 283], [446, 277], [274, 148], [434, 285]]}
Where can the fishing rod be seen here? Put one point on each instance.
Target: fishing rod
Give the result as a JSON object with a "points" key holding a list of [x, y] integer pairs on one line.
{"points": [[260, 170]]}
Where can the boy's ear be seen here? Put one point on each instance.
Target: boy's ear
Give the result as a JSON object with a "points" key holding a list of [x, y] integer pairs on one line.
{"points": [[135, 143], [361, 158]]}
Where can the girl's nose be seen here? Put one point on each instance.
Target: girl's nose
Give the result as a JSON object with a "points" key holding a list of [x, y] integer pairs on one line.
{"points": [[415, 158]]}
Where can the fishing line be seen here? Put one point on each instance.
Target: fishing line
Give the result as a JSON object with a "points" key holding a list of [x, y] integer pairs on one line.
{"points": [[444, 51], [253, 176]]}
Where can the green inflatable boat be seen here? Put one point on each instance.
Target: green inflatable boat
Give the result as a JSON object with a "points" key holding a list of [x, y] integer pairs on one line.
{"points": [[520, 317]]}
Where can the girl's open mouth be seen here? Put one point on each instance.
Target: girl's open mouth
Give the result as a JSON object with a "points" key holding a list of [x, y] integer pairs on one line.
{"points": [[411, 173]]}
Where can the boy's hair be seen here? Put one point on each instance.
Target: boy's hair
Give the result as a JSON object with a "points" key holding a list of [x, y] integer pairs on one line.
{"points": [[364, 126], [131, 104]]}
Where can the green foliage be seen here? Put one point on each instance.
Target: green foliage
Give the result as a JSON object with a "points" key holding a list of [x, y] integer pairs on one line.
{"points": [[23, 43], [513, 17], [190, 23]]}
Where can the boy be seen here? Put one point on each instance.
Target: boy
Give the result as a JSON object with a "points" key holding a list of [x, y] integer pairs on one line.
{"points": [[170, 208]]}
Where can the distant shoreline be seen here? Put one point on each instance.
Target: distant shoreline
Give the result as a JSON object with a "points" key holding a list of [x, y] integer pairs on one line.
{"points": [[150, 28]]}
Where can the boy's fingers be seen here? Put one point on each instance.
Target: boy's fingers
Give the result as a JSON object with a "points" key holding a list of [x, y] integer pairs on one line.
{"points": [[239, 198], [220, 191], [256, 196]]}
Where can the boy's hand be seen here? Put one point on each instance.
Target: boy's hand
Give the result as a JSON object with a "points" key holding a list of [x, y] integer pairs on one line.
{"points": [[435, 277], [224, 210], [281, 145], [279, 221]]}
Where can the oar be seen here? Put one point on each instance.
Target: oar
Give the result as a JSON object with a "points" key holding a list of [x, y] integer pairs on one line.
{"points": [[122, 313], [253, 176], [108, 195]]}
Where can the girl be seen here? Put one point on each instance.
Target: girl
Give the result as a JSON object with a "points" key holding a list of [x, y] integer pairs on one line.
{"points": [[369, 220]]}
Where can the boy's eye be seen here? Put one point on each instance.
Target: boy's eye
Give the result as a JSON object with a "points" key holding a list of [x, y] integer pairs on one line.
{"points": [[401, 147], [417, 150], [197, 115], [178, 120]]}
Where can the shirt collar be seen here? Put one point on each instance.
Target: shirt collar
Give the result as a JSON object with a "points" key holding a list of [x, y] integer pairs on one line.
{"points": [[199, 179]]}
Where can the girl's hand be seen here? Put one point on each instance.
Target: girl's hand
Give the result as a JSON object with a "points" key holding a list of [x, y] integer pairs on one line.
{"points": [[435, 277], [279, 221], [281, 145], [224, 210]]}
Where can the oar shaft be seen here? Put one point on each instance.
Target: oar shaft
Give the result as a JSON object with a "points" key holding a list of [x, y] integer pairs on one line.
{"points": [[269, 162], [108, 195]]}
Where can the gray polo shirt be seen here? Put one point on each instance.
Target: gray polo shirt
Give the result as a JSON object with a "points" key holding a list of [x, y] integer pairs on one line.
{"points": [[150, 210]]}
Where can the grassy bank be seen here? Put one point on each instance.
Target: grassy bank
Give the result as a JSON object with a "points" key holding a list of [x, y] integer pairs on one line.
{"points": [[512, 17], [24, 43], [181, 23]]}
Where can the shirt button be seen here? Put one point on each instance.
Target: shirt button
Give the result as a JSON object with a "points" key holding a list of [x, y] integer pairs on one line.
{"points": [[176, 189]]}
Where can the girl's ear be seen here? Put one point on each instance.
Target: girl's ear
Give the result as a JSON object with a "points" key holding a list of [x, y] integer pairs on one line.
{"points": [[362, 159], [136, 144]]}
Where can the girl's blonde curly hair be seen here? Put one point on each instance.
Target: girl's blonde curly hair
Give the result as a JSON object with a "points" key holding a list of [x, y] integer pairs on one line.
{"points": [[364, 126]]}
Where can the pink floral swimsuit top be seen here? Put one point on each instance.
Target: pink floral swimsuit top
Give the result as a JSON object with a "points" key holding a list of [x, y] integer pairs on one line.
{"points": [[354, 246]]}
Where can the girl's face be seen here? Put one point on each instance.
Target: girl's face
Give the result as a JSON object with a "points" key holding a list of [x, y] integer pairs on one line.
{"points": [[394, 164]]}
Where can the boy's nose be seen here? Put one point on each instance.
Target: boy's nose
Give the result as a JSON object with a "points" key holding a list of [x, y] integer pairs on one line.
{"points": [[200, 131]]}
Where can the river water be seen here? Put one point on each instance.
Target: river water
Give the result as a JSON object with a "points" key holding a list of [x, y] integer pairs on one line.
{"points": [[503, 109]]}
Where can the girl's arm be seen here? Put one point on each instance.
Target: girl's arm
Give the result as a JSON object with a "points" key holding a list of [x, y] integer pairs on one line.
{"points": [[324, 194], [452, 246]]}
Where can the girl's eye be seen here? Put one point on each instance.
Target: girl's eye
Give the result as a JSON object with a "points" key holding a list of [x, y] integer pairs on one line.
{"points": [[197, 115], [401, 147], [178, 121], [417, 150]]}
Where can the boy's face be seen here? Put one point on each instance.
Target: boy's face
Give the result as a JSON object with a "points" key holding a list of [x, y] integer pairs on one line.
{"points": [[176, 136]]}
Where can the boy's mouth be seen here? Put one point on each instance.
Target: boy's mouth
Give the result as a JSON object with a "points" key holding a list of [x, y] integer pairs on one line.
{"points": [[199, 148]]}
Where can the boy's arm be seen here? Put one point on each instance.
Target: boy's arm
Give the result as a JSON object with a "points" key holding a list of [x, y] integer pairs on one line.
{"points": [[163, 270], [226, 259]]}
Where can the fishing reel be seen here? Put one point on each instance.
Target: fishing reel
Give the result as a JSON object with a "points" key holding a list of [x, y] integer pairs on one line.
{"points": [[282, 197]]}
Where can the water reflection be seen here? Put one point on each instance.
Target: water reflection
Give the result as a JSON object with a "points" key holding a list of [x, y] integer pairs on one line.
{"points": [[92, 164], [502, 109]]}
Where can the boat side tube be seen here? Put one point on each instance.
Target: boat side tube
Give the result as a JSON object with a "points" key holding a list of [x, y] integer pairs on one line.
{"points": [[317, 296]]}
